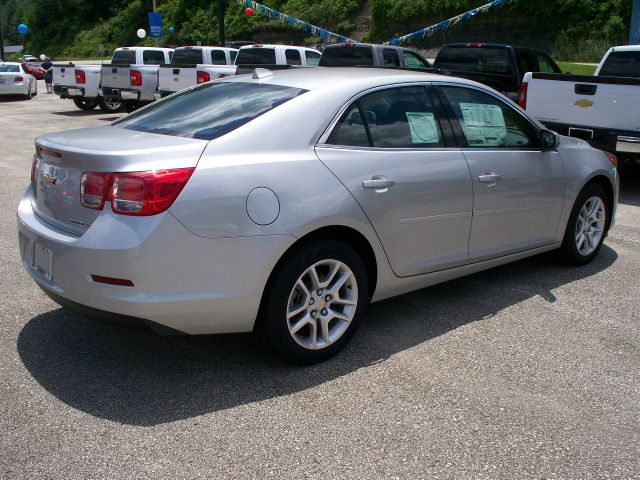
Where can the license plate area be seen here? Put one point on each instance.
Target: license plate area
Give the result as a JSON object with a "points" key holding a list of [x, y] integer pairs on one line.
{"points": [[42, 260]]}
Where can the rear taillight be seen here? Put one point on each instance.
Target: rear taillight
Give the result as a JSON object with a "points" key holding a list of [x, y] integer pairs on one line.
{"points": [[203, 77], [133, 193], [34, 166], [136, 78], [18, 79], [522, 96], [80, 77], [146, 193]]}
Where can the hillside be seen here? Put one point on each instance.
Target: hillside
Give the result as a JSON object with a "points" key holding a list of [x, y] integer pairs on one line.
{"points": [[573, 29]]}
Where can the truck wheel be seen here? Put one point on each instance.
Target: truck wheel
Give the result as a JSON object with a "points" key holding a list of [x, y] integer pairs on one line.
{"points": [[109, 105], [84, 104]]}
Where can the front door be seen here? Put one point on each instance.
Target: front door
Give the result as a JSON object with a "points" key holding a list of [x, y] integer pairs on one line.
{"points": [[518, 188], [389, 149]]}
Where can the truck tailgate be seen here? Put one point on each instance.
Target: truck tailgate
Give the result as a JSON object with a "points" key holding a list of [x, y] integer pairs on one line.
{"points": [[116, 76], [64, 75], [602, 102], [175, 78]]}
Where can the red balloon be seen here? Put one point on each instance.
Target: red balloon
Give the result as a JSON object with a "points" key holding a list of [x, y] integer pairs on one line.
{"points": [[248, 11]]}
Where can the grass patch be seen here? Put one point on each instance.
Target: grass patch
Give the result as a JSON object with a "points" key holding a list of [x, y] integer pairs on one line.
{"points": [[576, 68]]}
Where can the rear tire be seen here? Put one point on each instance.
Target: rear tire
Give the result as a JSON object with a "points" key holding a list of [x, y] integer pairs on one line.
{"points": [[110, 105], [29, 94], [84, 104], [587, 227], [309, 316]]}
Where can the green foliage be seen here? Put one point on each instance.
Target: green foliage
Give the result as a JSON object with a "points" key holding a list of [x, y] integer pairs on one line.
{"points": [[577, 68], [580, 29]]}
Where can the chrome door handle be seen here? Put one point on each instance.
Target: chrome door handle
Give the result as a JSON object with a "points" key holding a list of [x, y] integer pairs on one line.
{"points": [[489, 178], [378, 183]]}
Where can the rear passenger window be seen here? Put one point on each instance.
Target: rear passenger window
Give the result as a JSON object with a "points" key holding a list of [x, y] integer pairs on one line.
{"points": [[313, 58], [546, 65], [488, 122], [350, 130], [218, 58], [293, 57], [232, 56], [411, 60], [391, 58], [152, 57]]}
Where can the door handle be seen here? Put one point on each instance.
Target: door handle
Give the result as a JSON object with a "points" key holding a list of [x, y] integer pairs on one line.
{"points": [[378, 183], [491, 178]]}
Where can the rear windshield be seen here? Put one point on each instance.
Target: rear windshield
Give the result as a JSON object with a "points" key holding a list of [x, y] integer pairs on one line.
{"points": [[187, 56], [9, 68], [210, 110], [125, 57], [621, 64], [256, 56], [346, 56], [475, 59]]}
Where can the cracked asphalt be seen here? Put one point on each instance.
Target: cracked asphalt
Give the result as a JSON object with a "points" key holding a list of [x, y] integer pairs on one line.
{"points": [[531, 370]]}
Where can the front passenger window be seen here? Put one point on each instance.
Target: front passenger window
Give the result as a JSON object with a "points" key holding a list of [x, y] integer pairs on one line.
{"points": [[488, 122]]}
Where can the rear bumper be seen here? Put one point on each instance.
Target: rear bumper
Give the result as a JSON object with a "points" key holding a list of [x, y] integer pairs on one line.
{"points": [[616, 141], [125, 94], [184, 282], [14, 89], [64, 91]]}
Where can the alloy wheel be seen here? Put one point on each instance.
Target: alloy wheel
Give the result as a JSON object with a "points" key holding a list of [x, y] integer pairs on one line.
{"points": [[590, 226]]}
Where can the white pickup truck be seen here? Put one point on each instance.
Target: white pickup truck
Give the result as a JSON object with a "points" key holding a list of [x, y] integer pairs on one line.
{"points": [[603, 109], [132, 76], [194, 65], [248, 58], [80, 83]]}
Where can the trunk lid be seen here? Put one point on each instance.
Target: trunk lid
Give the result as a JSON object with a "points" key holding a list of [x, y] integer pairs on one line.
{"points": [[63, 158]]}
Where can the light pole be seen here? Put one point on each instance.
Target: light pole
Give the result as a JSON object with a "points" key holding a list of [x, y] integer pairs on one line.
{"points": [[221, 22], [1, 43], [634, 31]]}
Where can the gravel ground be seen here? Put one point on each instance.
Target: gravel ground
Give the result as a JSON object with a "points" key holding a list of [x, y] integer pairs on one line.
{"points": [[531, 370]]}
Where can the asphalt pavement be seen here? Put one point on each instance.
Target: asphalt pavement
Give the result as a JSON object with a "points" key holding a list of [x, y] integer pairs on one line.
{"points": [[531, 370]]}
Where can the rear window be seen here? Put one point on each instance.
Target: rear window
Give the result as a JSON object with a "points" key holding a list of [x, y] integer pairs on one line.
{"points": [[126, 57], [256, 56], [475, 59], [346, 56], [9, 68], [621, 64], [209, 111], [218, 57], [152, 57], [187, 56]]}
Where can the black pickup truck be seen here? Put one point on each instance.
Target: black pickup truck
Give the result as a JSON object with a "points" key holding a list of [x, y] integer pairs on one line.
{"points": [[501, 67]]}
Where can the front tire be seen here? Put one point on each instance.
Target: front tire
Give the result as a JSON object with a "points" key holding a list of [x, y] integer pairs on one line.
{"points": [[84, 104], [316, 302], [587, 226]]}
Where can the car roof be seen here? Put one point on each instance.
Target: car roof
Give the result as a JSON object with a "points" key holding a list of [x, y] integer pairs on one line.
{"points": [[11, 63], [314, 78]]}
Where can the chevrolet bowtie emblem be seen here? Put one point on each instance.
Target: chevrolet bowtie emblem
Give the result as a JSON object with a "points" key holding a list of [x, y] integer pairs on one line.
{"points": [[583, 103], [113, 77], [49, 181]]}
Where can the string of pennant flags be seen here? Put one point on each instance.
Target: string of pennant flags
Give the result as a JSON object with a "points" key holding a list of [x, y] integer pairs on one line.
{"points": [[325, 35], [445, 24]]}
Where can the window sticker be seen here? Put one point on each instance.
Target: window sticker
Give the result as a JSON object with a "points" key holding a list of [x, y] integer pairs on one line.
{"points": [[483, 124], [423, 127]]}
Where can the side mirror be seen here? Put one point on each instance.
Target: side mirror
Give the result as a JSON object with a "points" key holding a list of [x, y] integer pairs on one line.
{"points": [[548, 139]]}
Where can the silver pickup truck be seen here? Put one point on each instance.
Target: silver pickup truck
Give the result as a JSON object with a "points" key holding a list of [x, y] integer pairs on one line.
{"points": [[132, 75], [80, 83]]}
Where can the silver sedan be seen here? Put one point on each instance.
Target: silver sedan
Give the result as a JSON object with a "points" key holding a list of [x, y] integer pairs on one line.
{"points": [[286, 201], [15, 80]]}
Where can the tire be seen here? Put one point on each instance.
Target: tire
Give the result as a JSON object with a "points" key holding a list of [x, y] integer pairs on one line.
{"points": [[294, 310], [582, 241], [109, 105], [29, 94], [84, 104]]}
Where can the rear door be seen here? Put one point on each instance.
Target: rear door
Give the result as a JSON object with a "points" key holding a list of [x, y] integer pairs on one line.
{"points": [[518, 188], [396, 157]]}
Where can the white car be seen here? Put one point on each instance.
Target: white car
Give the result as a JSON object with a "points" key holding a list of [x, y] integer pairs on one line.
{"points": [[15, 80]]}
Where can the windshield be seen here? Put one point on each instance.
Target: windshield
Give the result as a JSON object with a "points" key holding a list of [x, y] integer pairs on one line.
{"points": [[126, 57], [187, 56], [475, 59], [256, 56], [621, 64], [9, 68], [210, 110], [347, 56]]}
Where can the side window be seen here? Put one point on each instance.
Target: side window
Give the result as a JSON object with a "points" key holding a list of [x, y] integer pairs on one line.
{"points": [[488, 122], [525, 62], [152, 57], [313, 58], [293, 57], [232, 56], [546, 65], [401, 118], [350, 130], [391, 58], [411, 60], [218, 58]]}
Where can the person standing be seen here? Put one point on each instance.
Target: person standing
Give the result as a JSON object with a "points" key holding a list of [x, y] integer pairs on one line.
{"points": [[47, 66]]}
